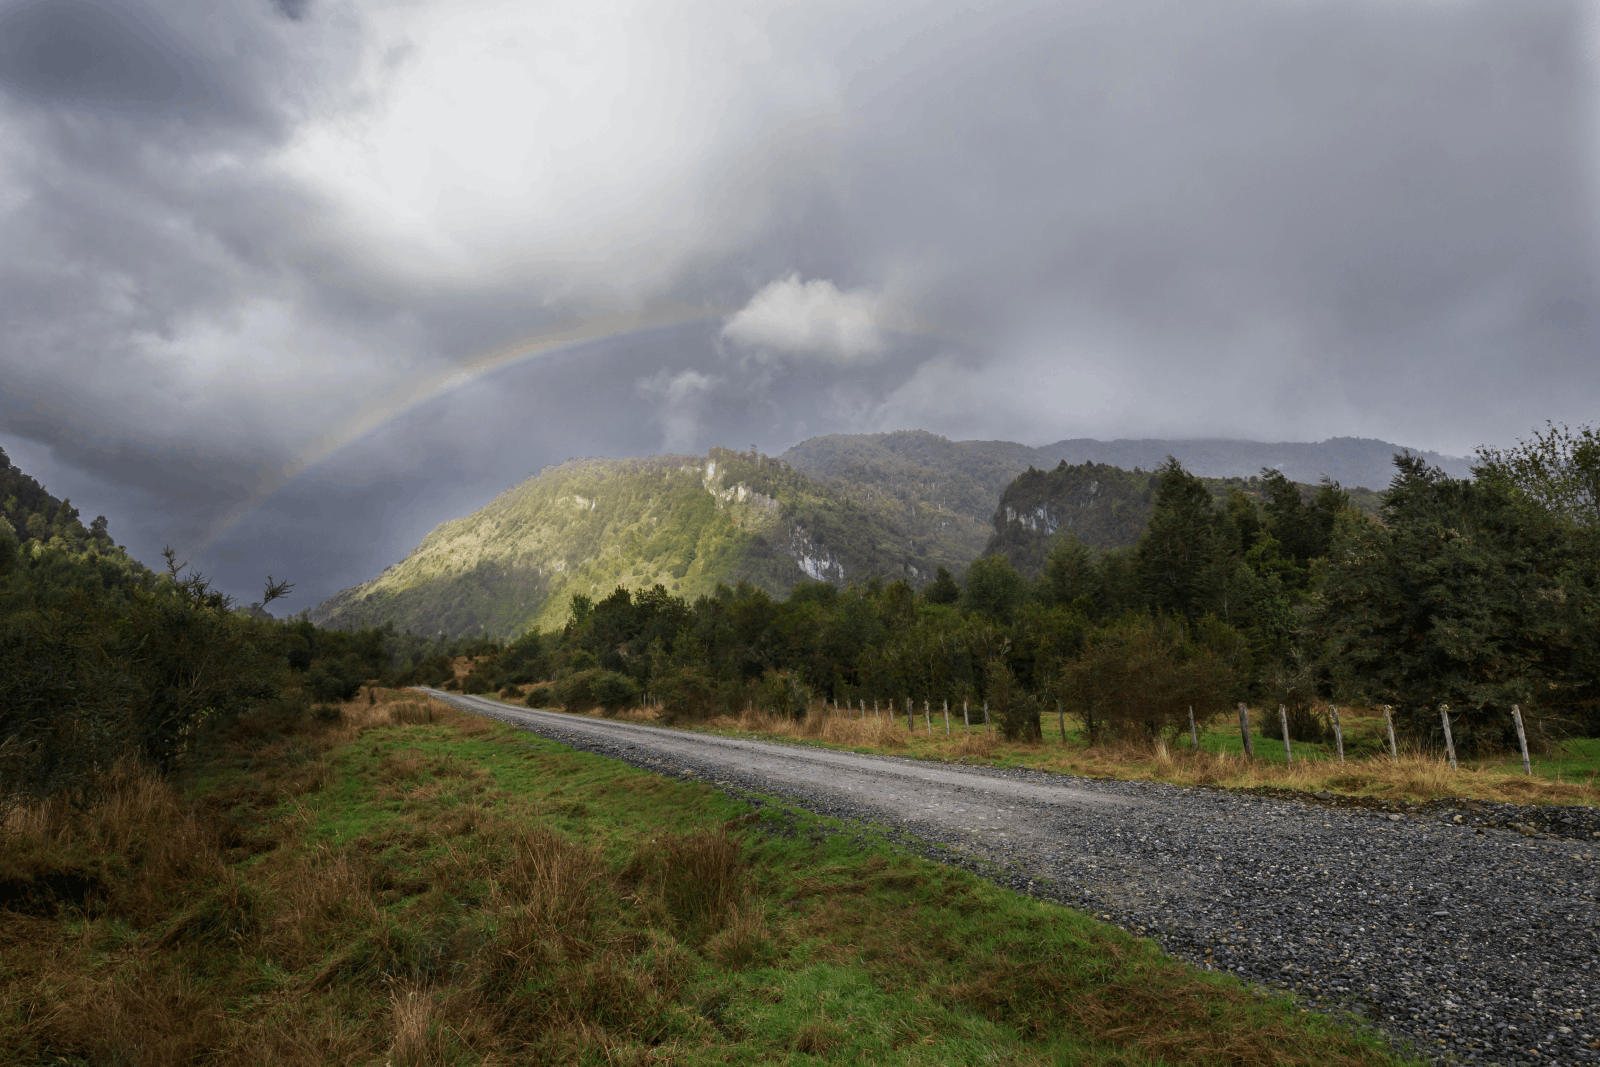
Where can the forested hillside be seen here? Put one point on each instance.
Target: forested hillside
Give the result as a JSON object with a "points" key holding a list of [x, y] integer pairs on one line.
{"points": [[41, 526], [106, 662], [947, 492], [1107, 507], [585, 527]]}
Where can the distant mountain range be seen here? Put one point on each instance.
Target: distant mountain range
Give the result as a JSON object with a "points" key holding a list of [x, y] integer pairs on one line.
{"points": [[948, 491], [837, 508]]}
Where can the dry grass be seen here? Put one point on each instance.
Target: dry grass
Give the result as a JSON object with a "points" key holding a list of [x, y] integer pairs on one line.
{"points": [[1416, 776]]}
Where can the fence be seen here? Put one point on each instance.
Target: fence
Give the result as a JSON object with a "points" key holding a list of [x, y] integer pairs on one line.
{"points": [[854, 709]]}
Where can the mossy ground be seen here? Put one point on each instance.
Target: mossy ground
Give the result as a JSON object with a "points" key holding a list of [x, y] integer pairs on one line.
{"points": [[408, 885]]}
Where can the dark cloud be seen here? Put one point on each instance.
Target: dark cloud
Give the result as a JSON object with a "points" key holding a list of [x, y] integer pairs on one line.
{"points": [[101, 55]]}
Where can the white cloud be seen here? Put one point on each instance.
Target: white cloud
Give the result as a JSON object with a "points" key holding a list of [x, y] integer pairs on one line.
{"points": [[680, 406], [813, 317]]}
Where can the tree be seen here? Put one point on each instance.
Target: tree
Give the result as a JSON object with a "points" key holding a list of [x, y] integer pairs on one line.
{"points": [[1014, 710], [1185, 559], [994, 588], [1558, 470], [1138, 677], [1072, 574], [1471, 594], [943, 589]]}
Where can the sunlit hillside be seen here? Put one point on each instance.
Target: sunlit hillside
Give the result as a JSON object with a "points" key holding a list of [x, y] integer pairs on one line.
{"points": [[589, 525]]}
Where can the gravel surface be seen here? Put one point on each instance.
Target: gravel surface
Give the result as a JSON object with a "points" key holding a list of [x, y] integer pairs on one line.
{"points": [[1468, 931]]}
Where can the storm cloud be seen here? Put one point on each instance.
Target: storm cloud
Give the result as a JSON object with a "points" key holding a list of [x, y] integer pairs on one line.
{"points": [[270, 273]]}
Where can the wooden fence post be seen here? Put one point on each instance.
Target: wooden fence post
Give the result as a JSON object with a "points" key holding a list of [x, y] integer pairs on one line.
{"points": [[1194, 734], [1244, 730], [947, 718], [986, 728], [1449, 742], [1283, 719], [1061, 721], [1338, 731], [1522, 739], [911, 715], [927, 716], [875, 716], [1388, 720], [966, 718]]}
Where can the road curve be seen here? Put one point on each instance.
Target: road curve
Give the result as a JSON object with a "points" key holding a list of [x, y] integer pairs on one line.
{"points": [[1477, 944]]}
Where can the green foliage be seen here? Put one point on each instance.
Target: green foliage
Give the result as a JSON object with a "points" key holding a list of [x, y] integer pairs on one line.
{"points": [[577, 530], [686, 693], [1139, 677], [576, 690], [784, 693], [613, 691], [1187, 556], [1558, 471], [1013, 709], [943, 589], [994, 588], [1472, 594], [106, 662]]}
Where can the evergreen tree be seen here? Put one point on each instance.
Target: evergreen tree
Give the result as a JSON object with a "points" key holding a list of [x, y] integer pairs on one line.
{"points": [[1186, 558], [943, 589]]}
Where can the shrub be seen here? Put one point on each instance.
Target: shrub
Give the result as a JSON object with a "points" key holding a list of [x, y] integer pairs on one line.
{"points": [[1138, 677], [576, 691], [613, 691], [334, 680], [541, 696], [1293, 685], [686, 694], [785, 694], [1013, 709]]}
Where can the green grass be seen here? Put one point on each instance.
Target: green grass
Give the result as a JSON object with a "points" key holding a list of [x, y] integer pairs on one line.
{"points": [[461, 892]]}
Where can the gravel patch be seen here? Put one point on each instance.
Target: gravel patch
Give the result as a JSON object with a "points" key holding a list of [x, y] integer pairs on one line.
{"points": [[1467, 931]]}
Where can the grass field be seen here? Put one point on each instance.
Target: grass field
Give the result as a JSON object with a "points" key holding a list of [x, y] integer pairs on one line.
{"points": [[1570, 775], [404, 885]]}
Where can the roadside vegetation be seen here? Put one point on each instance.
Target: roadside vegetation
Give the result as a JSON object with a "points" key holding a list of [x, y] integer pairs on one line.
{"points": [[388, 881]]}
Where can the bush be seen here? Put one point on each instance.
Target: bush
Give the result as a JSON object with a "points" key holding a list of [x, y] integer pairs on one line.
{"points": [[576, 691], [1293, 685], [1138, 678], [785, 694], [686, 694], [333, 681], [614, 691], [1013, 709], [541, 696]]}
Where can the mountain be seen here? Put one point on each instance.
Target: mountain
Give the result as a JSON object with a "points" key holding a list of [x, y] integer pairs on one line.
{"points": [[946, 492], [1353, 462], [1104, 506], [587, 526]]}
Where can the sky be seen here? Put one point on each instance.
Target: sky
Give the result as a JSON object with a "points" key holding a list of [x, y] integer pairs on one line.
{"points": [[287, 282]]}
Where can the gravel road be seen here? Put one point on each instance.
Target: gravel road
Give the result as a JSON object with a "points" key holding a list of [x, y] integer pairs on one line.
{"points": [[1473, 943]]}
